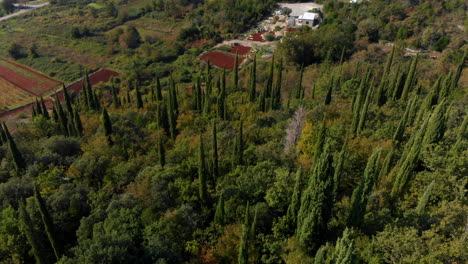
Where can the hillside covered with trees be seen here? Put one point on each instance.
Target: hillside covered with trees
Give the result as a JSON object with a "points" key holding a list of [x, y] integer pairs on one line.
{"points": [[345, 147]]}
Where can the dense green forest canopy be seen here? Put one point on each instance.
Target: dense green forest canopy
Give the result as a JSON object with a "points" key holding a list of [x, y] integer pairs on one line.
{"points": [[339, 149]]}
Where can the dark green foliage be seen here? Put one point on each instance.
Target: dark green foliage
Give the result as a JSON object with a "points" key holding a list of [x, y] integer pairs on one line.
{"points": [[361, 193], [244, 243], [328, 96], [16, 155], [253, 80], [316, 203], [214, 153], [321, 254], [399, 132], [44, 109], [321, 138], [345, 249], [115, 98], [219, 217], [410, 79], [161, 153], [235, 78], [139, 100], [202, 174], [26, 227], [339, 162], [387, 164], [107, 125], [423, 201], [295, 203], [299, 93], [47, 222], [437, 124], [239, 146]]}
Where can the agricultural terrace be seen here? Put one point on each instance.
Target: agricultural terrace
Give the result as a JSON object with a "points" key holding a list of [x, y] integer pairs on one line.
{"points": [[30, 81]]}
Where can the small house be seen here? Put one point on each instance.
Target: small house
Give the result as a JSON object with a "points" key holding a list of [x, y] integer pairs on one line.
{"points": [[309, 19]]}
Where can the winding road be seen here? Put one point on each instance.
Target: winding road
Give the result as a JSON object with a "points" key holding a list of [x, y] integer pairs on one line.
{"points": [[24, 9]]}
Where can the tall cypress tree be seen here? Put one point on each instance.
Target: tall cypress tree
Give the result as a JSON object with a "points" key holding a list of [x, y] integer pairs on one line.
{"points": [[62, 118], [321, 137], [316, 203], [44, 109], [410, 79], [387, 164], [328, 96], [299, 92], [399, 132], [321, 254], [339, 162], [219, 217], [139, 100], [68, 101], [47, 222], [107, 124], [159, 96], [115, 98], [161, 153], [202, 174], [361, 193], [424, 200], [77, 123], [253, 80], [345, 249], [437, 124], [26, 227], [239, 146], [276, 95], [16, 155], [295, 204], [235, 78], [365, 107], [244, 243], [215, 158]]}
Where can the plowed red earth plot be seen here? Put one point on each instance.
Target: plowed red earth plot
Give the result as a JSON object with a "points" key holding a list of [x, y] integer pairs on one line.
{"points": [[240, 50], [26, 79], [221, 60]]}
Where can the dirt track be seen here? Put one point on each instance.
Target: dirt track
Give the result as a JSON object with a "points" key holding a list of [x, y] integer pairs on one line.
{"points": [[25, 9]]}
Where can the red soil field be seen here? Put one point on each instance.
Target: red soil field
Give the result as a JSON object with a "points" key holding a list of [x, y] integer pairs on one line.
{"points": [[26, 79], [221, 60], [240, 50], [100, 76], [257, 36]]}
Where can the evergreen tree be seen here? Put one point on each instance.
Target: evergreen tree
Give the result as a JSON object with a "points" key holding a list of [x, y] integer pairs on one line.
{"points": [[437, 124], [202, 173], [77, 123], [276, 95], [425, 199], [387, 164], [219, 217], [67, 99], [47, 222], [239, 146], [54, 114], [321, 254], [321, 137], [399, 132], [161, 153], [295, 204], [214, 145], [26, 227], [115, 98], [339, 162], [159, 96], [410, 79], [365, 107], [345, 249], [172, 118], [328, 96], [244, 243], [107, 124], [38, 108], [316, 203], [16, 155], [408, 161], [45, 113], [139, 100], [361, 193], [235, 78], [299, 90], [63, 120], [381, 91], [253, 80]]}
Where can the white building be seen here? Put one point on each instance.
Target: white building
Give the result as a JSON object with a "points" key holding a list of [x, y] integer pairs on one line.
{"points": [[309, 19]]}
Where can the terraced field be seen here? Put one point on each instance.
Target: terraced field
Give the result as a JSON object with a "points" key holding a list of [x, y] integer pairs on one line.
{"points": [[12, 97], [19, 85]]}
